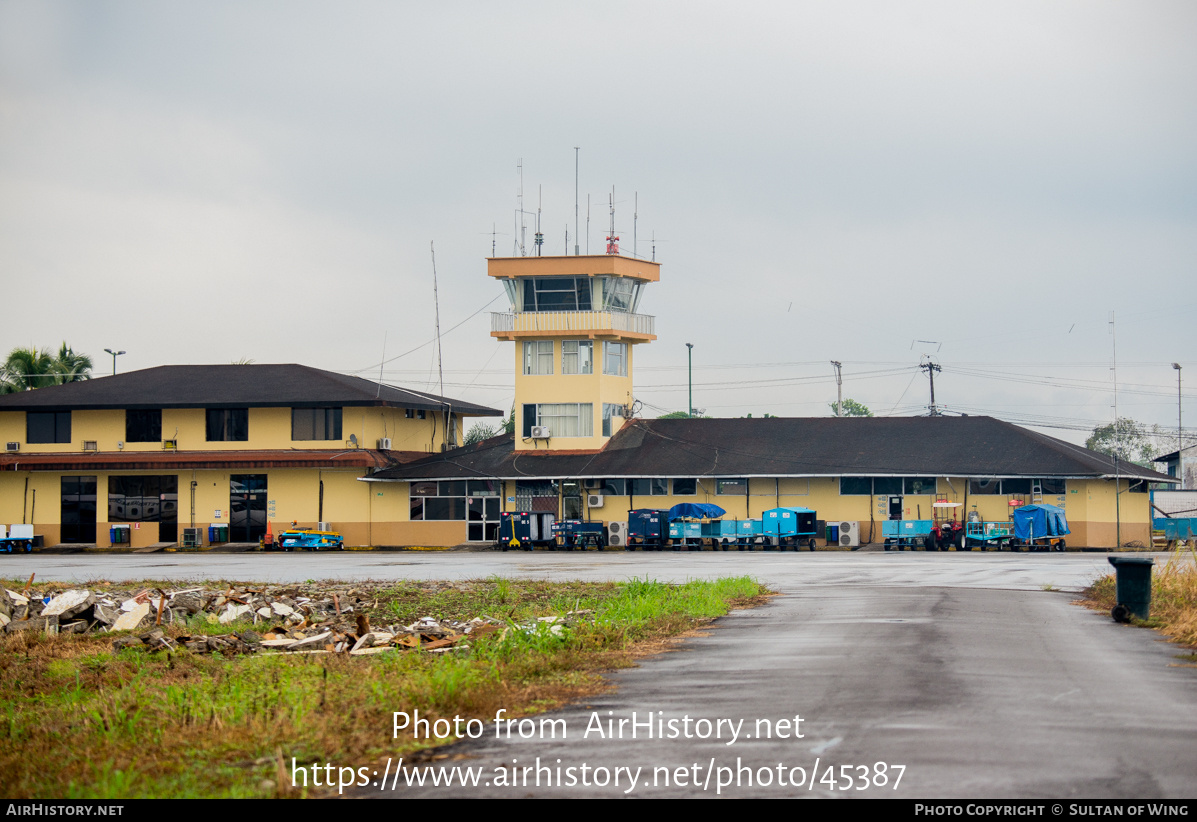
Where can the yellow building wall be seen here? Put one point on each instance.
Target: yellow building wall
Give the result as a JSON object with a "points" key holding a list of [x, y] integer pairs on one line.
{"points": [[596, 389], [269, 429]]}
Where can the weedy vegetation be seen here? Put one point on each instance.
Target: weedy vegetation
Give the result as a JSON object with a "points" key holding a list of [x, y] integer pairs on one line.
{"points": [[1173, 597], [81, 721]]}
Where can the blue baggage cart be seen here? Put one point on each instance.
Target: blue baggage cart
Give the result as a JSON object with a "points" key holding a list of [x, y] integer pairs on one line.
{"points": [[786, 527], [648, 529], [732, 533], [1040, 527], [906, 533]]}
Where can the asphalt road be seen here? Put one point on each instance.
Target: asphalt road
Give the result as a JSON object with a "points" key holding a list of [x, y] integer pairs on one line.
{"points": [[951, 676]]}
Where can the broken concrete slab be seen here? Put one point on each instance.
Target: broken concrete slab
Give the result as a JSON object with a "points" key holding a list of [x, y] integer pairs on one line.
{"points": [[132, 618], [69, 603]]}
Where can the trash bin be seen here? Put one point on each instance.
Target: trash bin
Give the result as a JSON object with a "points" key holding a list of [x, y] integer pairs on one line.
{"points": [[1132, 587]]}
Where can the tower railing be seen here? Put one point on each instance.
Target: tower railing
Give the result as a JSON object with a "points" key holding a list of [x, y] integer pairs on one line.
{"points": [[514, 322]]}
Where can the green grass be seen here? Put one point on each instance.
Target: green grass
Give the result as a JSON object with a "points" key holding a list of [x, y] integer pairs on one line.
{"points": [[80, 721]]}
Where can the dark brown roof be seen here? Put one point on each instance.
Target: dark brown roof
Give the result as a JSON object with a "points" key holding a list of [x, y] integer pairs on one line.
{"points": [[779, 447], [230, 386], [186, 460]]}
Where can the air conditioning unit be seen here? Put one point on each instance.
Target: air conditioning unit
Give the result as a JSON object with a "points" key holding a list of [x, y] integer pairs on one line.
{"points": [[323, 526], [849, 534], [592, 483], [13, 446], [617, 534], [540, 432], [170, 445], [384, 444], [594, 500], [193, 537], [91, 445]]}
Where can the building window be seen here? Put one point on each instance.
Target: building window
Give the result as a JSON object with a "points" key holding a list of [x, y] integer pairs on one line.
{"points": [[48, 426], [476, 501], [685, 487], [410, 413], [615, 359], [987, 485], [315, 423], [143, 426], [733, 487], [228, 424], [887, 486], [610, 411], [577, 357], [650, 487], [1051, 486], [557, 294], [563, 419], [919, 485], [422, 414], [615, 487], [538, 357], [620, 294], [856, 486]]}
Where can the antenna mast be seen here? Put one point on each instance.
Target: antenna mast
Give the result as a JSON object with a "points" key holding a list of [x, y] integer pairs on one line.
{"points": [[635, 217], [612, 240], [440, 365], [577, 250], [539, 201], [839, 394]]}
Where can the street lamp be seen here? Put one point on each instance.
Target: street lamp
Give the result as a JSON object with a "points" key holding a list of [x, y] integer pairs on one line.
{"points": [[1180, 474], [690, 378], [114, 354]]}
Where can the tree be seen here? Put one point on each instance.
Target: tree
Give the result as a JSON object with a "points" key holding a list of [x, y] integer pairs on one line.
{"points": [[852, 408], [1125, 439], [480, 431], [29, 368], [509, 423], [674, 415]]}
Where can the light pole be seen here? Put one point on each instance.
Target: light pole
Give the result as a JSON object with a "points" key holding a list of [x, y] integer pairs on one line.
{"points": [[690, 378], [114, 354], [1180, 473]]}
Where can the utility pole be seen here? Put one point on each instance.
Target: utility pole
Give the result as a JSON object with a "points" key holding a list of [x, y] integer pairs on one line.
{"points": [[931, 367], [690, 377], [839, 393], [1180, 445]]}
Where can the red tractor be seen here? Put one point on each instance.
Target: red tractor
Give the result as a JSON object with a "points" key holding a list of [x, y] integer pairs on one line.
{"points": [[947, 530]]}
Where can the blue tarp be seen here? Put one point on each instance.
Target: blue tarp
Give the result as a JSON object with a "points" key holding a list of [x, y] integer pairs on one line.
{"points": [[1036, 521], [695, 510]]}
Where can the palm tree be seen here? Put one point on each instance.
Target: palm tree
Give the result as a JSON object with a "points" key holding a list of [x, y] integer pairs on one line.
{"points": [[72, 367], [29, 368]]}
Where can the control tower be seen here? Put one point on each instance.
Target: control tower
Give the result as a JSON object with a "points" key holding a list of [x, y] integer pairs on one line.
{"points": [[574, 324]]}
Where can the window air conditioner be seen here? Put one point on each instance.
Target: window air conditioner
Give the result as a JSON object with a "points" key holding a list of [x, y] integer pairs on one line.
{"points": [[540, 432], [90, 445], [384, 444], [594, 500], [13, 446]]}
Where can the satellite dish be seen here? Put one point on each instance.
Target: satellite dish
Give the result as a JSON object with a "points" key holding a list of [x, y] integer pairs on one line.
{"points": [[353, 440]]}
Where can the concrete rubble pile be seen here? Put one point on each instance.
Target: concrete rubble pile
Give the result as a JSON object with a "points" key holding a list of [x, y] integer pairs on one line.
{"points": [[287, 619]]}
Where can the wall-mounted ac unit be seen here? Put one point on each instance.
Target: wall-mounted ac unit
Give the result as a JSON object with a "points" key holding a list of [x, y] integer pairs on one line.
{"points": [[384, 444], [594, 500], [849, 534], [13, 446], [540, 432], [91, 445], [617, 534], [592, 483], [170, 445]]}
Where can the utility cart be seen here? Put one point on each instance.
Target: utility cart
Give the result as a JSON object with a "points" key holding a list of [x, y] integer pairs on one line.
{"points": [[901, 534], [574, 533], [740, 534], [788, 527], [1039, 528], [16, 540], [310, 539], [525, 530]]}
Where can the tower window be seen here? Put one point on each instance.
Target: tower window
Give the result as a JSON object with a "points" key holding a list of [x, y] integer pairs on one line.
{"points": [[615, 359], [538, 357], [577, 357]]}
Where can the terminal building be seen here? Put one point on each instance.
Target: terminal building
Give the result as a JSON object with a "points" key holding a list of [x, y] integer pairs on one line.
{"points": [[576, 452], [155, 456]]}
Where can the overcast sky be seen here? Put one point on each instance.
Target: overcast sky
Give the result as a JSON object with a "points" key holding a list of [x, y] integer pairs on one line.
{"points": [[206, 182]]}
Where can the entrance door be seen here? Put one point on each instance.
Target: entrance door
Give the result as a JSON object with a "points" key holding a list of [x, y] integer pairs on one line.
{"points": [[78, 509], [247, 507], [895, 507]]}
